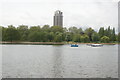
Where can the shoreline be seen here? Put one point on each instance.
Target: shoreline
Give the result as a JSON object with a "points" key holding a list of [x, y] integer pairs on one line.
{"points": [[51, 43]]}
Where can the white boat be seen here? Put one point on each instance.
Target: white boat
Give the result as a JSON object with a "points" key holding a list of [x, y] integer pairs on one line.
{"points": [[96, 45]]}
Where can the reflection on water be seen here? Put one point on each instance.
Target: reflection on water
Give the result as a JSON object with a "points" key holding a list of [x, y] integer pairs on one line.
{"points": [[50, 61], [57, 61], [0, 61], [119, 61]]}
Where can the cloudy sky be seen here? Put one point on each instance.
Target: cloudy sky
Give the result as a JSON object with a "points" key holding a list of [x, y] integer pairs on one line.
{"points": [[79, 13]]}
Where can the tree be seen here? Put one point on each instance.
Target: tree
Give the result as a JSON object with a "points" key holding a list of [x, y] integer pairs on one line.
{"points": [[80, 31], [35, 28], [45, 37], [23, 30], [95, 37], [34, 37], [105, 32], [0, 33], [11, 34], [57, 34], [46, 28], [51, 36], [58, 37], [73, 30], [68, 36], [105, 39], [65, 30], [113, 36], [3, 33], [119, 37], [56, 29], [84, 38], [89, 32], [109, 32], [76, 38], [101, 32]]}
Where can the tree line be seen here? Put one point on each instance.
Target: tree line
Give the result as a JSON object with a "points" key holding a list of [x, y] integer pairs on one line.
{"points": [[58, 34]]}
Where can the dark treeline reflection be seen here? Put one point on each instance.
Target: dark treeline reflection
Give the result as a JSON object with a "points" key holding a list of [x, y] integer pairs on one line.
{"points": [[58, 34]]}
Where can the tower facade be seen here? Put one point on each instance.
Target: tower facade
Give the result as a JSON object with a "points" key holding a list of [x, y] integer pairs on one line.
{"points": [[58, 18]]}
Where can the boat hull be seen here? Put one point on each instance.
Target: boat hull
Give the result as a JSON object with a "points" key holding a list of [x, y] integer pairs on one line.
{"points": [[96, 45], [74, 45]]}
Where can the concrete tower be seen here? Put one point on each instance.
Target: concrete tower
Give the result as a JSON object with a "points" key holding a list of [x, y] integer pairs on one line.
{"points": [[58, 18]]}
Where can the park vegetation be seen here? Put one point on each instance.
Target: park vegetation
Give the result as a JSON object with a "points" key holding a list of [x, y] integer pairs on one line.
{"points": [[46, 33]]}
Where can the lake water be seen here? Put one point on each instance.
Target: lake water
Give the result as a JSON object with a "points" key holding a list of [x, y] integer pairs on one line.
{"points": [[52, 61], [0, 62]]}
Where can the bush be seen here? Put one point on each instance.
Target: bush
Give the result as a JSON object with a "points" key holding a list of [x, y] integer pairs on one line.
{"points": [[105, 39], [85, 38]]}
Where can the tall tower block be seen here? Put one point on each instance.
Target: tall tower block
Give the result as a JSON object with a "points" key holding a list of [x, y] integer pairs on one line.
{"points": [[58, 18]]}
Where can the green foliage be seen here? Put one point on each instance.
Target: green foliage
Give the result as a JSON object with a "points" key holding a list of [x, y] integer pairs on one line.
{"points": [[57, 34], [46, 28], [23, 30], [119, 37], [56, 29], [76, 38], [4, 33], [58, 37], [34, 37], [0, 33], [84, 38], [89, 32], [101, 32], [68, 36], [73, 30], [34, 28], [51, 36], [95, 37], [113, 36], [11, 34], [105, 39]]}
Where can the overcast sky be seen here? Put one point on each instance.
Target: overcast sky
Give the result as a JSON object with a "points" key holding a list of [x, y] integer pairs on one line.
{"points": [[79, 13]]}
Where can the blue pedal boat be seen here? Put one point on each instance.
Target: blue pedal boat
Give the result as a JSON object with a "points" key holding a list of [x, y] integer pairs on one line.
{"points": [[74, 45]]}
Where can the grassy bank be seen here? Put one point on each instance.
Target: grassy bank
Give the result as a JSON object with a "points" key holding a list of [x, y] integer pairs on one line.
{"points": [[52, 43]]}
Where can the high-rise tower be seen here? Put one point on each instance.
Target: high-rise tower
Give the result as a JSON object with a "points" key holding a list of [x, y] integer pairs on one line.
{"points": [[58, 18]]}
